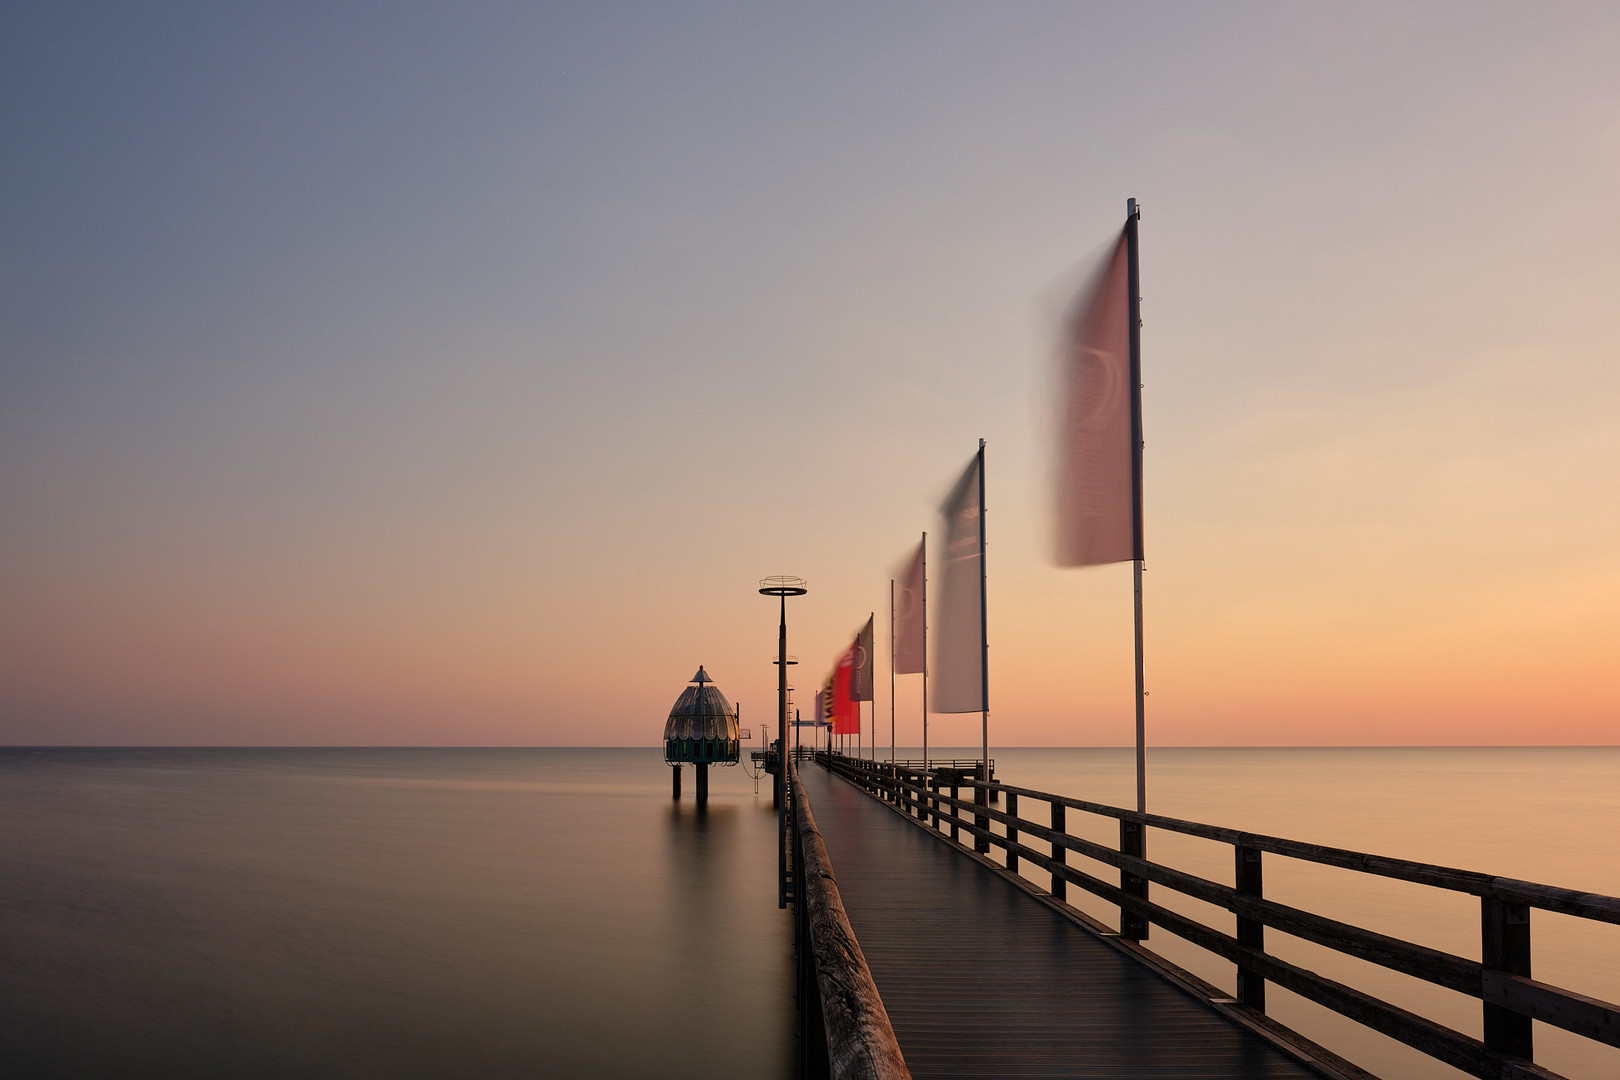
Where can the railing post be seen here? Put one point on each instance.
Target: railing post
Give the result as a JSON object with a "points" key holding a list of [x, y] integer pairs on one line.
{"points": [[956, 793], [1251, 988], [1012, 831], [1132, 841], [981, 796], [1060, 854], [1505, 947], [933, 800]]}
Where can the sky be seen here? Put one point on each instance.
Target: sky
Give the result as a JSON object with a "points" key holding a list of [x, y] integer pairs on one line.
{"points": [[450, 374]]}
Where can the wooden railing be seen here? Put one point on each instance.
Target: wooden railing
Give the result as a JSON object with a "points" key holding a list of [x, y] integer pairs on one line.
{"points": [[1501, 979], [972, 765], [845, 1030]]}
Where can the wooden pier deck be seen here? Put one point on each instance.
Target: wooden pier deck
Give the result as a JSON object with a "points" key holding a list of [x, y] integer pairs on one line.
{"points": [[980, 979]]}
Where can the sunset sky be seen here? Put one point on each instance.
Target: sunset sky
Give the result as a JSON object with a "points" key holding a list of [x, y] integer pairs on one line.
{"points": [[444, 374]]}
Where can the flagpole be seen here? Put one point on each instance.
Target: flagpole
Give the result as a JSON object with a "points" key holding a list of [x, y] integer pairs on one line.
{"points": [[984, 633], [925, 655], [871, 667], [1133, 284], [891, 671]]}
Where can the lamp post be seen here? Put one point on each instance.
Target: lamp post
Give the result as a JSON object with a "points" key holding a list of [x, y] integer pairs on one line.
{"points": [[781, 586]]}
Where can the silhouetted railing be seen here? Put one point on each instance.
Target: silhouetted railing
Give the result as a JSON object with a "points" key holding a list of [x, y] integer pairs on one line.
{"points": [[1509, 997]]}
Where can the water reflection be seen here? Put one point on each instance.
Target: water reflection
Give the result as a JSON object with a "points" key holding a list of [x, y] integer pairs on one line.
{"points": [[386, 913]]}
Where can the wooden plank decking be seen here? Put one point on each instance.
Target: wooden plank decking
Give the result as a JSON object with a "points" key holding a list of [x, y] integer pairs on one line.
{"points": [[981, 980]]}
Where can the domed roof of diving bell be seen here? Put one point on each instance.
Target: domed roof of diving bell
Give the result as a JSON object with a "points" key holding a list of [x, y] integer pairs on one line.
{"points": [[702, 724], [701, 699]]}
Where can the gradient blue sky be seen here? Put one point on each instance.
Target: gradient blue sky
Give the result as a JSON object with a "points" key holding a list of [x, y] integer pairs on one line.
{"points": [[426, 373]]}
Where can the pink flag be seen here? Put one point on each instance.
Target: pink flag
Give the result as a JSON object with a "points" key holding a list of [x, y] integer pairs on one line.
{"points": [[1097, 497], [911, 613], [959, 623], [860, 677]]}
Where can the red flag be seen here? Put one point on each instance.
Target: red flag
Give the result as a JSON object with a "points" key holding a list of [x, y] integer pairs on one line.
{"points": [[911, 613], [1097, 497], [846, 713]]}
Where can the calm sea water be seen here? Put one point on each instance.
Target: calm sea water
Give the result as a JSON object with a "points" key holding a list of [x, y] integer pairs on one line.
{"points": [[389, 913], [550, 912]]}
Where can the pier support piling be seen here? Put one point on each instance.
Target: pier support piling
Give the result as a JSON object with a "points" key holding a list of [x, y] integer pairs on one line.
{"points": [[702, 771], [676, 794]]}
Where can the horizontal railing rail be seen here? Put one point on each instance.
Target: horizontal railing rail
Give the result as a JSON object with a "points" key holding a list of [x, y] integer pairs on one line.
{"points": [[846, 1031], [1501, 979], [957, 764]]}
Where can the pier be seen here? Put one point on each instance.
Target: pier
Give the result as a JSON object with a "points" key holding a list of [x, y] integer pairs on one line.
{"points": [[923, 954]]}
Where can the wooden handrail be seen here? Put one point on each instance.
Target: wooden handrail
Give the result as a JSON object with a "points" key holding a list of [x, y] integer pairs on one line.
{"points": [[1582, 905], [859, 1038], [1511, 999]]}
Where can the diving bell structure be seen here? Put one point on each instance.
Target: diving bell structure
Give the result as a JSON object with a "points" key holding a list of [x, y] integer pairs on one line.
{"points": [[702, 730]]}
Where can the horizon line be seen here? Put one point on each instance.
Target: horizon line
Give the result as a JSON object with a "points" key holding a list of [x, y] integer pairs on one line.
{"points": [[656, 746]]}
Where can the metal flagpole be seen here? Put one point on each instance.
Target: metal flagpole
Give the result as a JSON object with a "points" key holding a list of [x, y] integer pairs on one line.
{"points": [[1133, 283], [984, 633], [871, 666], [891, 671], [925, 655]]}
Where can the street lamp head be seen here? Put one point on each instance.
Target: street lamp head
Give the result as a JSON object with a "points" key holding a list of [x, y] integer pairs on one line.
{"points": [[782, 585]]}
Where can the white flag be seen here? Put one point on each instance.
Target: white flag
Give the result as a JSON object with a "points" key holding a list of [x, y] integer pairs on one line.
{"points": [[959, 621], [911, 613]]}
